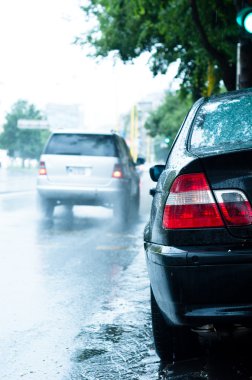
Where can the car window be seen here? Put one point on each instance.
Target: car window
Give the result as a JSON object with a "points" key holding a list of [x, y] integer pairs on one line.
{"points": [[127, 151], [80, 144], [223, 125]]}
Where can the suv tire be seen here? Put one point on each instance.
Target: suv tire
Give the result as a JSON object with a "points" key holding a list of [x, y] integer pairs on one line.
{"points": [[46, 207], [121, 209], [134, 207]]}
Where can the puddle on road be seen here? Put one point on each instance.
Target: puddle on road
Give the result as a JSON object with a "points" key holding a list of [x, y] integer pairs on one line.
{"points": [[87, 354], [104, 333], [113, 333]]}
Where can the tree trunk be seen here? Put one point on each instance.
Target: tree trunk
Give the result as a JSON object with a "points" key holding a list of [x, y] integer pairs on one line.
{"points": [[228, 70], [229, 76]]}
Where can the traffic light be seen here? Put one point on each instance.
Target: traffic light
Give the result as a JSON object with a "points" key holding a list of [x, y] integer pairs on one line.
{"points": [[244, 19]]}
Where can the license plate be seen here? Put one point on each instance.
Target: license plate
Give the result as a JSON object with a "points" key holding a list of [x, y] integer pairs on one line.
{"points": [[78, 170]]}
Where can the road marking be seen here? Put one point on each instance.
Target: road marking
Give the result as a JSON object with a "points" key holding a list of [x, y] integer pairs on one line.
{"points": [[15, 193], [111, 248], [121, 235]]}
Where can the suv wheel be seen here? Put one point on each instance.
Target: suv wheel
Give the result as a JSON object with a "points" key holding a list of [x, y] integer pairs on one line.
{"points": [[134, 206], [172, 343], [46, 207], [121, 209]]}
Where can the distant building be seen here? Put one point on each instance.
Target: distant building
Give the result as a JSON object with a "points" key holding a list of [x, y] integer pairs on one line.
{"points": [[132, 126]]}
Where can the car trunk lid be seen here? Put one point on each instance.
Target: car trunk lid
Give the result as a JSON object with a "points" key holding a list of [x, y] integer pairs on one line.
{"points": [[79, 170]]}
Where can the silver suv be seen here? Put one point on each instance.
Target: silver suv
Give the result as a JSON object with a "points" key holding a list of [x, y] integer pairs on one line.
{"points": [[78, 168]]}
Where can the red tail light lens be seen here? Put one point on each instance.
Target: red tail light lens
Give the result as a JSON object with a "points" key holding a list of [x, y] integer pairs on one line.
{"points": [[190, 204], [235, 207], [117, 172], [42, 168]]}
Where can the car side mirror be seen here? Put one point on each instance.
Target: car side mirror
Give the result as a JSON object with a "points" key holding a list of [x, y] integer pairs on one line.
{"points": [[152, 191], [155, 172], [140, 161]]}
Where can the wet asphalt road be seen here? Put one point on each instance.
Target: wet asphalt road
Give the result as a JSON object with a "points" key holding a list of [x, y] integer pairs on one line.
{"points": [[73, 293], [74, 298]]}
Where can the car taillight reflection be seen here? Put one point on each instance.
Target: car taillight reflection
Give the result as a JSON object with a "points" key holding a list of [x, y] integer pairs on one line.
{"points": [[42, 168], [117, 171]]}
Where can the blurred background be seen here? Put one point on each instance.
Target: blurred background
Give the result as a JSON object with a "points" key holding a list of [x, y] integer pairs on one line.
{"points": [[45, 76]]}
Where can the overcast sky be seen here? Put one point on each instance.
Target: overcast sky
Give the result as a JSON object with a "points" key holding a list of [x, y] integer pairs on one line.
{"points": [[39, 63]]}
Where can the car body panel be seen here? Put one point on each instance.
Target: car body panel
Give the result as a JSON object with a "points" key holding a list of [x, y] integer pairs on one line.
{"points": [[79, 170], [225, 284]]}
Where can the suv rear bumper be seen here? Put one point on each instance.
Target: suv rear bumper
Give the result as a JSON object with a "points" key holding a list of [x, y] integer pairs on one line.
{"points": [[195, 287], [81, 195]]}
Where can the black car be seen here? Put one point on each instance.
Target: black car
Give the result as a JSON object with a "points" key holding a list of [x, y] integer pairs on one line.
{"points": [[198, 241]]}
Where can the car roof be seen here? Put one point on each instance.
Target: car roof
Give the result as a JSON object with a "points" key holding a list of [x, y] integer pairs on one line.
{"points": [[230, 94], [81, 131]]}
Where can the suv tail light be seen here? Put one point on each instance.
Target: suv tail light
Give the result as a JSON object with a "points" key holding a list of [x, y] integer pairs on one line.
{"points": [[42, 168], [235, 207], [190, 204], [117, 171]]}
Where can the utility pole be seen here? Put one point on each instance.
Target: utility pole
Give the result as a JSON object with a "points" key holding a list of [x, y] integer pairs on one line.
{"points": [[244, 59]]}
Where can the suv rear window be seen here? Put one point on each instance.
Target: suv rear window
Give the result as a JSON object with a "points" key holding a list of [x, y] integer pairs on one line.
{"points": [[81, 145], [223, 125]]}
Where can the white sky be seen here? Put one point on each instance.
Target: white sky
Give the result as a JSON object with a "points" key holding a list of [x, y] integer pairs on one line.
{"points": [[40, 64]]}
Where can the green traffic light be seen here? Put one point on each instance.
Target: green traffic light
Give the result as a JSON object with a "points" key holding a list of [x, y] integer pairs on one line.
{"points": [[244, 19], [248, 22]]}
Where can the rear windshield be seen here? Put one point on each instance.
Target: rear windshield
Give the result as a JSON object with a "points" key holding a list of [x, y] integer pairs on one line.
{"points": [[81, 145], [223, 125]]}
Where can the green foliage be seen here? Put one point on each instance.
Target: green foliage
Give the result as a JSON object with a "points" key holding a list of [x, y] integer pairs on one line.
{"points": [[167, 118], [198, 33], [20, 142]]}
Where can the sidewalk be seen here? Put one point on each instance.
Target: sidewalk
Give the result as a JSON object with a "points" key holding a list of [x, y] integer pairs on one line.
{"points": [[17, 179]]}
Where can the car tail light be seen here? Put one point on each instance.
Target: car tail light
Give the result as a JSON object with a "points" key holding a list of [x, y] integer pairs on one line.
{"points": [[117, 172], [235, 207], [42, 168], [190, 204]]}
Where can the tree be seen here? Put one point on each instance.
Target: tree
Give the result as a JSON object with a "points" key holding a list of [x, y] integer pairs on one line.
{"points": [[166, 120], [20, 142], [201, 34], [164, 123]]}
